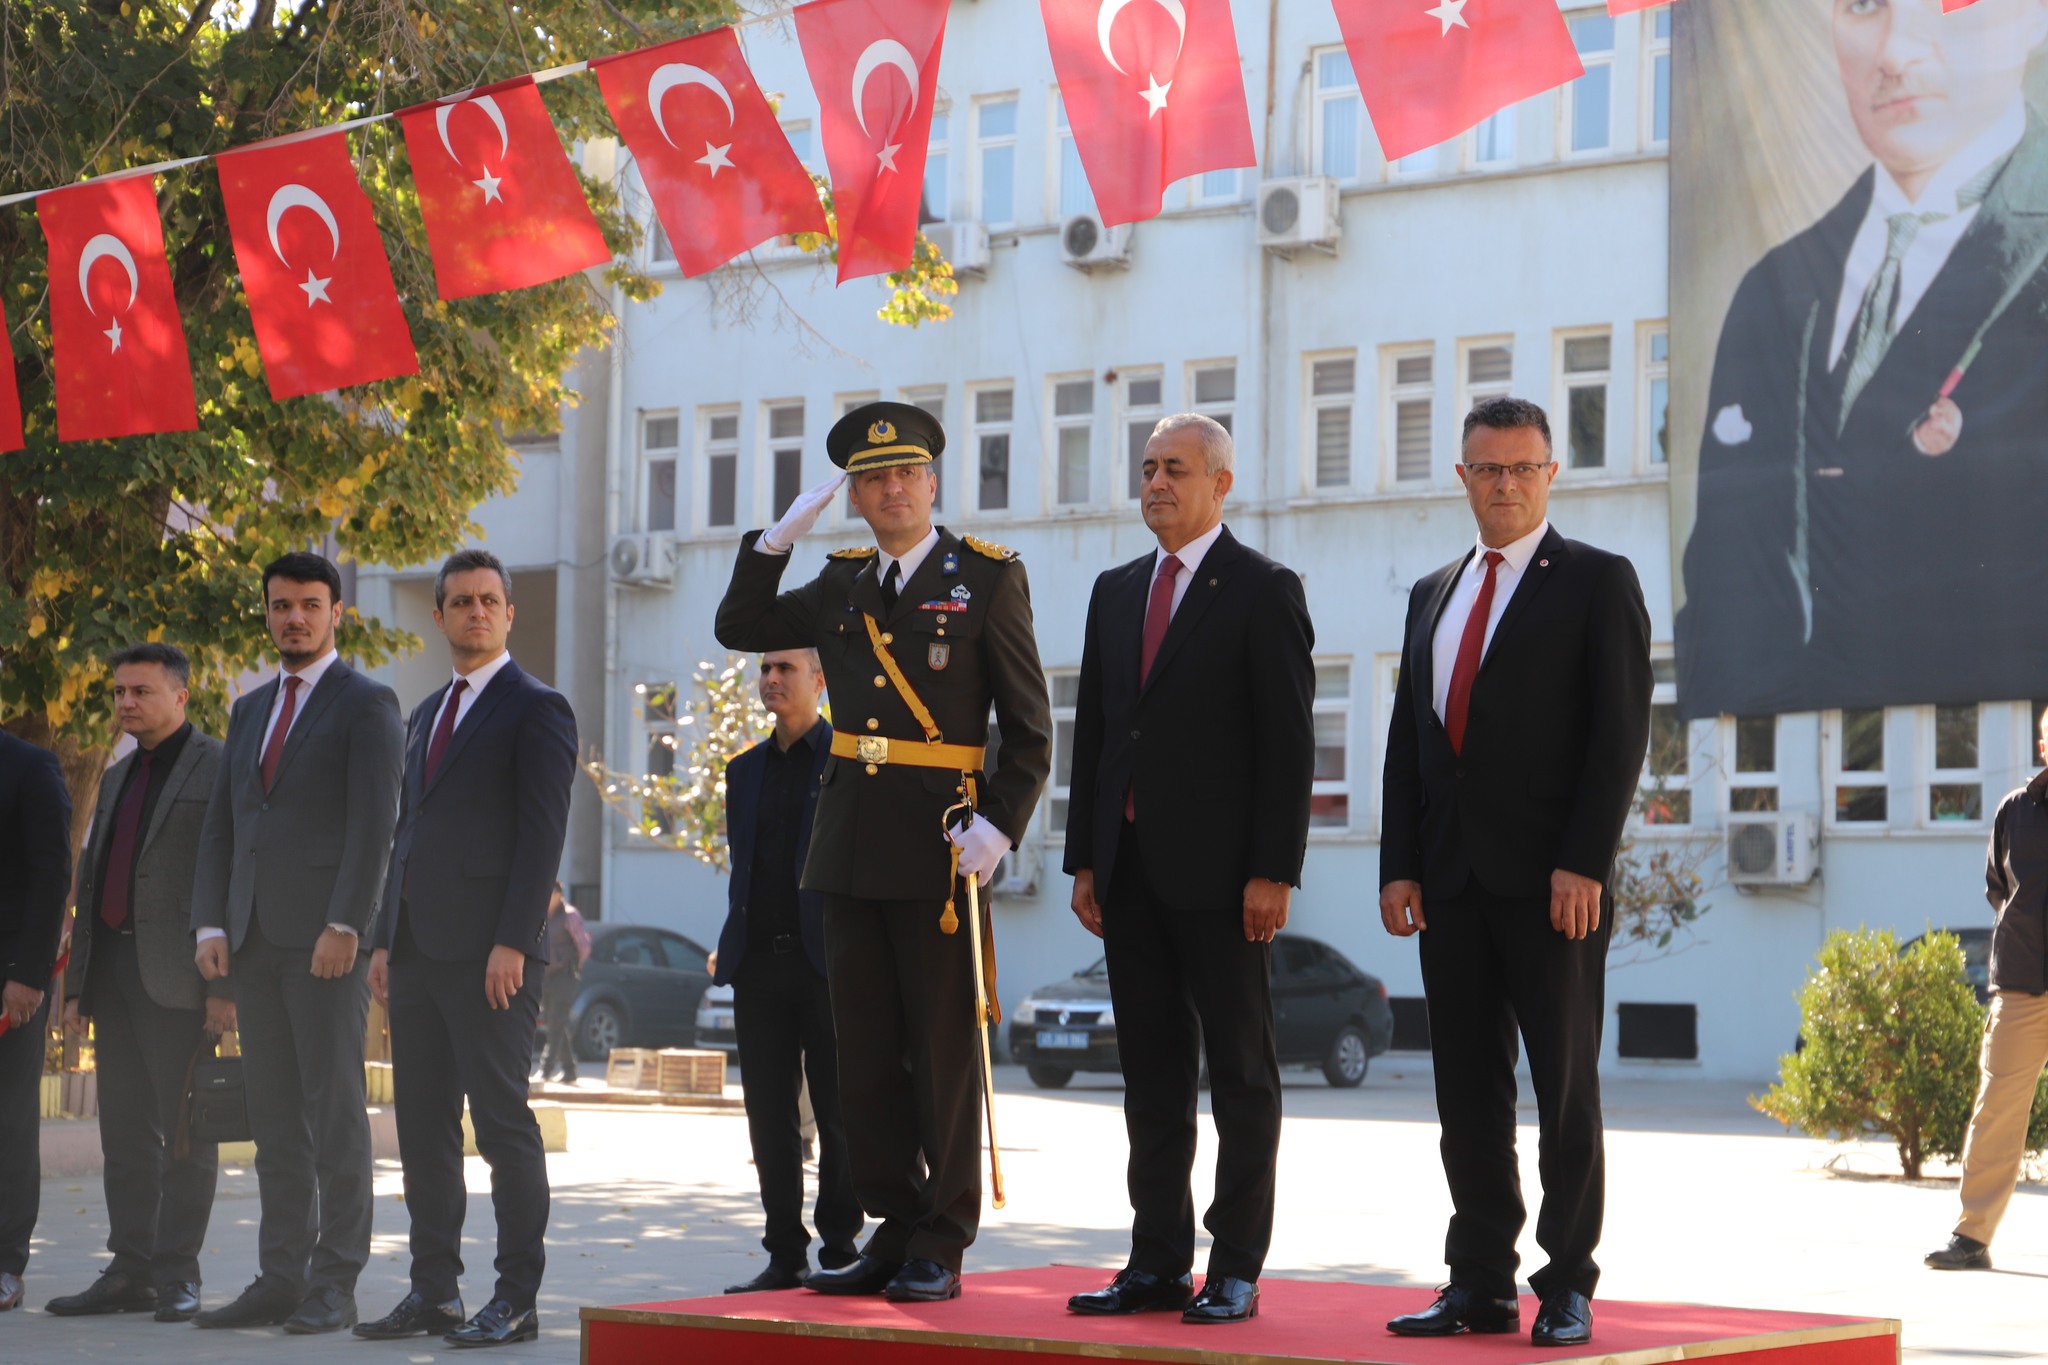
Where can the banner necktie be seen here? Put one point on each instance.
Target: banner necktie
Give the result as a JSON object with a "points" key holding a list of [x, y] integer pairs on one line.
{"points": [[1158, 615], [115, 887], [444, 729], [274, 750], [1471, 648]]}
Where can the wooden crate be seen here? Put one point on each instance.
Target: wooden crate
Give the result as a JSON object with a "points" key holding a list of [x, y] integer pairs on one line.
{"points": [[633, 1068], [686, 1071]]}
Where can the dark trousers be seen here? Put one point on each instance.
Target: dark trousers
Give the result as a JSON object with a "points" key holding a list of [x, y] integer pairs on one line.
{"points": [[157, 1205], [1183, 978], [21, 1137], [302, 1067], [557, 1001], [909, 1073], [1491, 964], [782, 1012], [447, 1042]]}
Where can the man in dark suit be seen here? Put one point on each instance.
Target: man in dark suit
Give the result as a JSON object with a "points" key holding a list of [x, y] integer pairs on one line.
{"points": [[132, 976], [35, 848], [920, 638], [1184, 856], [772, 953], [1872, 470], [459, 951], [1520, 722], [291, 865]]}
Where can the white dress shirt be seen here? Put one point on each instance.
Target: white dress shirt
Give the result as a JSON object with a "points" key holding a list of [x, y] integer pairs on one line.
{"points": [[1190, 556], [1450, 629], [912, 560], [478, 679]]}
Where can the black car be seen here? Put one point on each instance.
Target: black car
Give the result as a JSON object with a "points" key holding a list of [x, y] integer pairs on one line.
{"points": [[1328, 1014], [640, 989]]}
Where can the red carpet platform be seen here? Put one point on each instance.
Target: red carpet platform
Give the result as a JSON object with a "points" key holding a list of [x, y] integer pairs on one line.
{"points": [[1019, 1317]]}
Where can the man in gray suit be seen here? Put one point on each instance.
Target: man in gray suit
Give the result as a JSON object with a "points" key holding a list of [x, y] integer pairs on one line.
{"points": [[291, 866], [132, 976]]}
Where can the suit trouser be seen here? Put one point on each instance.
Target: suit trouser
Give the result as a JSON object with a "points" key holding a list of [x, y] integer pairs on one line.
{"points": [[558, 991], [909, 1079], [447, 1042], [1491, 964], [157, 1205], [21, 1136], [1183, 979], [302, 1061], [782, 1012], [2009, 1067]]}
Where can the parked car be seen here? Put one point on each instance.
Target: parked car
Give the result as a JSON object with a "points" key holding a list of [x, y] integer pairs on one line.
{"points": [[641, 986], [1976, 946], [1327, 1013], [714, 1020]]}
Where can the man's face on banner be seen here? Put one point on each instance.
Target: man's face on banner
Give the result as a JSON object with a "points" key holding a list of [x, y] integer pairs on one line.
{"points": [[1922, 84]]}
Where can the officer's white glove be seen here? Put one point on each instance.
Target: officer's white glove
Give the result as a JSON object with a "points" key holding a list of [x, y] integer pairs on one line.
{"points": [[981, 847], [802, 516]]}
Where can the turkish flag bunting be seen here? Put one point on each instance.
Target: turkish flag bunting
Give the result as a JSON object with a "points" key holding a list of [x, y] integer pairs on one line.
{"points": [[502, 205], [875, 65], [722, 175], [1154, 93], [10, 396], [1429, 72], [1951, 6], [1631, 6], [313, 265], [122, 367]]}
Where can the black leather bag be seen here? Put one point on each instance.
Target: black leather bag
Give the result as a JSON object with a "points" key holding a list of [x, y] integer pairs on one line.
{"points": [[220, 1112]]}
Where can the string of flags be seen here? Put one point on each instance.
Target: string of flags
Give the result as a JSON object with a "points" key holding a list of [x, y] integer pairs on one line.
{"points": [[1154, 93]]}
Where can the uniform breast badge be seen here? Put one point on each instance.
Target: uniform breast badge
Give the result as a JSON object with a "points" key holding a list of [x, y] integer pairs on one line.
{"points": [[938, 656]]}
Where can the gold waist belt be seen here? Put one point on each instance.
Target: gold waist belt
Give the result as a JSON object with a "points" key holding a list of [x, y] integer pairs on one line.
{"points": [[876, 750]]}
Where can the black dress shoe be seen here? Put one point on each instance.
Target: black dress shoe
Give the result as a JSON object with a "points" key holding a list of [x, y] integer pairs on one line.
{"points": [[324, 1310], [1566, 1320], [177, 1301], [922, 1281], [497, 1323], [112, 1292], [1224, 1298], [866, 1275], [414, 1317], [836, 1258], [266, 1303], [1134, 1291], [1460, 1309], [1961, 1253], [776, 1276]]}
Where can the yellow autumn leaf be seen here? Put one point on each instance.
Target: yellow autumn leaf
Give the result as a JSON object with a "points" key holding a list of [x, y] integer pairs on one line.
{"points": [[156, 633], [36, 626], [331, 507]]}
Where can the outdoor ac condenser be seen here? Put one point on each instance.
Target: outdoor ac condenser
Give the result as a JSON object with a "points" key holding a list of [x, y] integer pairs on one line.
{"points": [[1087, 245], [1770, 850], [1300, 211], [645, 559], [964, 245]]}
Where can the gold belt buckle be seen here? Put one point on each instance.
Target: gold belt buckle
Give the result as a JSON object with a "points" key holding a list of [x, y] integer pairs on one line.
{"points": [[872, 748]]}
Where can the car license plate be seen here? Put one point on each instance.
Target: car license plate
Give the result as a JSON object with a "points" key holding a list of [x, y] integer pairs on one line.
{"points": [[1048, 1039]]}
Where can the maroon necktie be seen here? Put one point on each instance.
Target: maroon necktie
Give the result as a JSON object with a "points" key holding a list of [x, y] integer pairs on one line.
{"points": [[1158, 615], [274, 750], [443, 728], [1471, 647], [114, 887]]}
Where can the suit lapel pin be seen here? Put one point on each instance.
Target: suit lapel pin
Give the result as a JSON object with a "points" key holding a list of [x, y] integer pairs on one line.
{"points": [[1212, 582], [1542, 563]]}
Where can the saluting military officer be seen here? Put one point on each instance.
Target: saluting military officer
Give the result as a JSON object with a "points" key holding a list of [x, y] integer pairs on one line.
{"points": [[919, 637]]}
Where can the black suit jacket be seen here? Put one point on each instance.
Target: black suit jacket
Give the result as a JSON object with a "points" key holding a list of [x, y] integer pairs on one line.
{"points": [[35, 851], [477, 849], [1219, 741], [1554, 739], [742, 816]]}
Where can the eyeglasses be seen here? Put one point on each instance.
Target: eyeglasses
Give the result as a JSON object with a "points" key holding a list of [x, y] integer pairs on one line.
{"points": [[1491, 473]]}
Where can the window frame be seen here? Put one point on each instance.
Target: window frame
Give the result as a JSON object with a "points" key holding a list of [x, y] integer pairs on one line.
{"points": [[1568, 93], [1129, 413], [1664, 692], [769, 447], [1470, 392], [1062, 143], [651, 732], [708, 449], [917, 395], [938, 149], [1734, 779], [1655, 47], [1386, 681], [1056, 426], [1319, 97], [649, 456], [1932, 775], [1201, 195], [977, 430], [1469, 159], [1835, 778], [1649, 372], [984, 144], [1225, 409], [1392, 395], [1312, 405], [1346, 706], [1564, 381], [1056, 791]]}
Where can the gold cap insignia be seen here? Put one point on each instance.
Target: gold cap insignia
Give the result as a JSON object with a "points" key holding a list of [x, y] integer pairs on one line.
{"points": [[881, 433]]}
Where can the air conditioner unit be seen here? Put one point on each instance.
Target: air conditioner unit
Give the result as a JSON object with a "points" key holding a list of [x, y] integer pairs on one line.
{"points": [[1770, 850], [1087, 245], [1017, 874], [964, 245], [1299, 212], [644, 559]]}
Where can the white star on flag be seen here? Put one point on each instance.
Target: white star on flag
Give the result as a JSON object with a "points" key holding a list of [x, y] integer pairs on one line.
{"points": [[113, 334], [1155, 93], [887, 156], [489, 185], [714, 158], [1449, 13], [316, 289]]}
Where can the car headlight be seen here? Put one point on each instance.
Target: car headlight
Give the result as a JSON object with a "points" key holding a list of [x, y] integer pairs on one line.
{"points": [[1027, 1009]]}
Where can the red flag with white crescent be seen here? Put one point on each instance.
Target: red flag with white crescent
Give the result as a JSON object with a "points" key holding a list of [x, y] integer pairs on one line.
{"points": [[10, 395], [1631, 6], [122, 368], [1154, 92], [717, 165], [501, 202], [312, 260], [875, 67]]}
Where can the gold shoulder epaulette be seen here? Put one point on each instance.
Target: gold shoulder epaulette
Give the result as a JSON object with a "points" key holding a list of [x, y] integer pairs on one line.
{"points": [[988, 547], [863, 552]]}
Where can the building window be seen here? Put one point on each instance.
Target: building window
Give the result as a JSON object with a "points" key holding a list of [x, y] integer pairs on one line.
{"points": [[931, 400], [1667, 767], [995, 160], [1857, 755], [1214, 387], [1066, 692], [1144, 403], [1409, 374], [1216, 187], [660, 444], [1071, 192], [1337, 130], [785, 456], [993, 412], [660, 251], [1073, 437], [1332, 385], [1583, 373], [799, 135], [1486, 369], [1753, 776], [658, 710], [721, 446], [1955, 788], [1386, 672], [1587, 107], [1329, 802], [1653, 394], [1491, 145], [1657, 82]]}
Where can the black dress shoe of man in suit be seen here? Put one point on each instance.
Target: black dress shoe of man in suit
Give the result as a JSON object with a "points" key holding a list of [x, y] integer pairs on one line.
{"points": [[324, 1310], [265, 1303], [867, 1275], [112, 1292], [1961, 1253], [1134, 1291], [1566, 1320], [1224, 1298], [776, 1276], [922, 1281], [1459, 1309], [497, 1323], [177, 1301], [414, 1317]]}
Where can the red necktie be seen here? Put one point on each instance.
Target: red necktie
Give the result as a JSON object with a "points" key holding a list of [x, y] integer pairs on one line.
{"points": [[1158, 615], [274, 750], [1471, 648], [114, 887], [444, 728]]}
